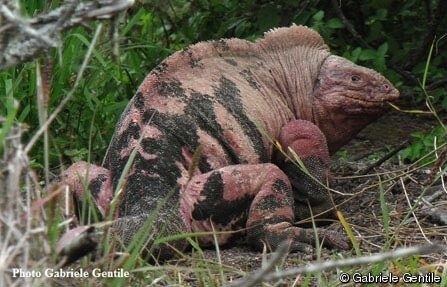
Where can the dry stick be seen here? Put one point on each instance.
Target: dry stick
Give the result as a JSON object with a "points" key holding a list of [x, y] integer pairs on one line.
{"points": [[35, 36], [42, 108], [384, 158], [59, 108], [332, 264], [24, 27], [437, 194], [437, 215]]}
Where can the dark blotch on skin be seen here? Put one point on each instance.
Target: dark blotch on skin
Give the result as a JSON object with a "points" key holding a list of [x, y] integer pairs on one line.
{"points": [[119, 143], [178, 131], [215, 207], [201, 109], [138, 102], [161, 68], [220, 45], [171, 88], [96, 184], [230, 61], [279, 186], [273, 202], [248, 76], [270, 202], [145, 195], [194, 62], [229, 96], [305, 187]]}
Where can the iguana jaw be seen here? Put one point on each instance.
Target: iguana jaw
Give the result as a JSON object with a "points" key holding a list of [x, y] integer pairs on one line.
{"points": [[356, 102]]}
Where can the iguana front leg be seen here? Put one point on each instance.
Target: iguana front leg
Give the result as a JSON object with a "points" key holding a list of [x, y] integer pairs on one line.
{"points": [[256, 198], [309, 143]]}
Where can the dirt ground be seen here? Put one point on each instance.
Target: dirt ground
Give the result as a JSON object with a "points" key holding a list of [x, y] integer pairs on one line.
{"points": [[360, 203]]}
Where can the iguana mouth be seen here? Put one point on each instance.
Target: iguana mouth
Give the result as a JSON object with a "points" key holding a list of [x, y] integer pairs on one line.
{"points": [[391, 96]]}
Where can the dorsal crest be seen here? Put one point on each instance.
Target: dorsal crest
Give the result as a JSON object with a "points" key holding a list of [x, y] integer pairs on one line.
{"points": [[293, 36]]}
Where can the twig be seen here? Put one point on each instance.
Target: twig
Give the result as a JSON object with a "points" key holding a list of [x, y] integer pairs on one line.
{"points": [[20, 23], [363, 260], [25, 39], [384, 158], [436, 215], [439, 191]]}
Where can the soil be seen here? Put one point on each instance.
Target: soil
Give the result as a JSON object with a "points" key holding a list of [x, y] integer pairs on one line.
{"points": [[360, 203]]}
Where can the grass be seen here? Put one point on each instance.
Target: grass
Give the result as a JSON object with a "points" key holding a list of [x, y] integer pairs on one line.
{"points": [[93, 90]]}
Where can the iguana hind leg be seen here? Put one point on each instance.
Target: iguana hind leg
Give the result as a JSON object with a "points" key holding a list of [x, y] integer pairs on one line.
{"points": [[254, 198]]}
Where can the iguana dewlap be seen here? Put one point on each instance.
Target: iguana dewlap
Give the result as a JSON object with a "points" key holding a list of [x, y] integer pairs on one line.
{"points": [[203, 123]]}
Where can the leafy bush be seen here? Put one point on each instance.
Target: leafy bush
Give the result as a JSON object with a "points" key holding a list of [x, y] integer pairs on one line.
{"points": [[424, 143]]}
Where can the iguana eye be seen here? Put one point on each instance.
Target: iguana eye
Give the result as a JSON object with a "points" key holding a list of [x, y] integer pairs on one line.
{"points": [[355, 78]]}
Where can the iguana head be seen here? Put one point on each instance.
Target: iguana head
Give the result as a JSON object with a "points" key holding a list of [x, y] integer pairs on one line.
{"points": [[343, 86], [347, 97]]}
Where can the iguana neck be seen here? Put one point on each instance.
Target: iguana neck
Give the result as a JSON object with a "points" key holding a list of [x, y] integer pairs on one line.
{"points": [[340, 128], [293, 72]]}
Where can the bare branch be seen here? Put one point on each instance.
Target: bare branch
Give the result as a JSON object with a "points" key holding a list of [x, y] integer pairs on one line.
{"points": [[355, 261], [25, 39]]}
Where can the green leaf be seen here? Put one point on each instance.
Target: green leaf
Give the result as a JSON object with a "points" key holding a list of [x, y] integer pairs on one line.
{"points": [[383, 49], [268, 18], [335, 23], [356, 54], [367, 54], [318, 16]]}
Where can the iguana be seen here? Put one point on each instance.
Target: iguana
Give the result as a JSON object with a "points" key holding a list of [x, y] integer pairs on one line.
{"points": [[203, 125]]}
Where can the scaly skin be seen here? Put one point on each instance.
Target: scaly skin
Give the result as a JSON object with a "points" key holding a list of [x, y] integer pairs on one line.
{"points": [[229, 99]]}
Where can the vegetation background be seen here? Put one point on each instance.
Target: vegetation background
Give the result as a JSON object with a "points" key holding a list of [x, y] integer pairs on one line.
{"points": [[404, 40], [392, 37]]}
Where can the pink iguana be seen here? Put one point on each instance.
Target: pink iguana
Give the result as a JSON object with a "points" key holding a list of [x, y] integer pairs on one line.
{"points": [[233, 99]]}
